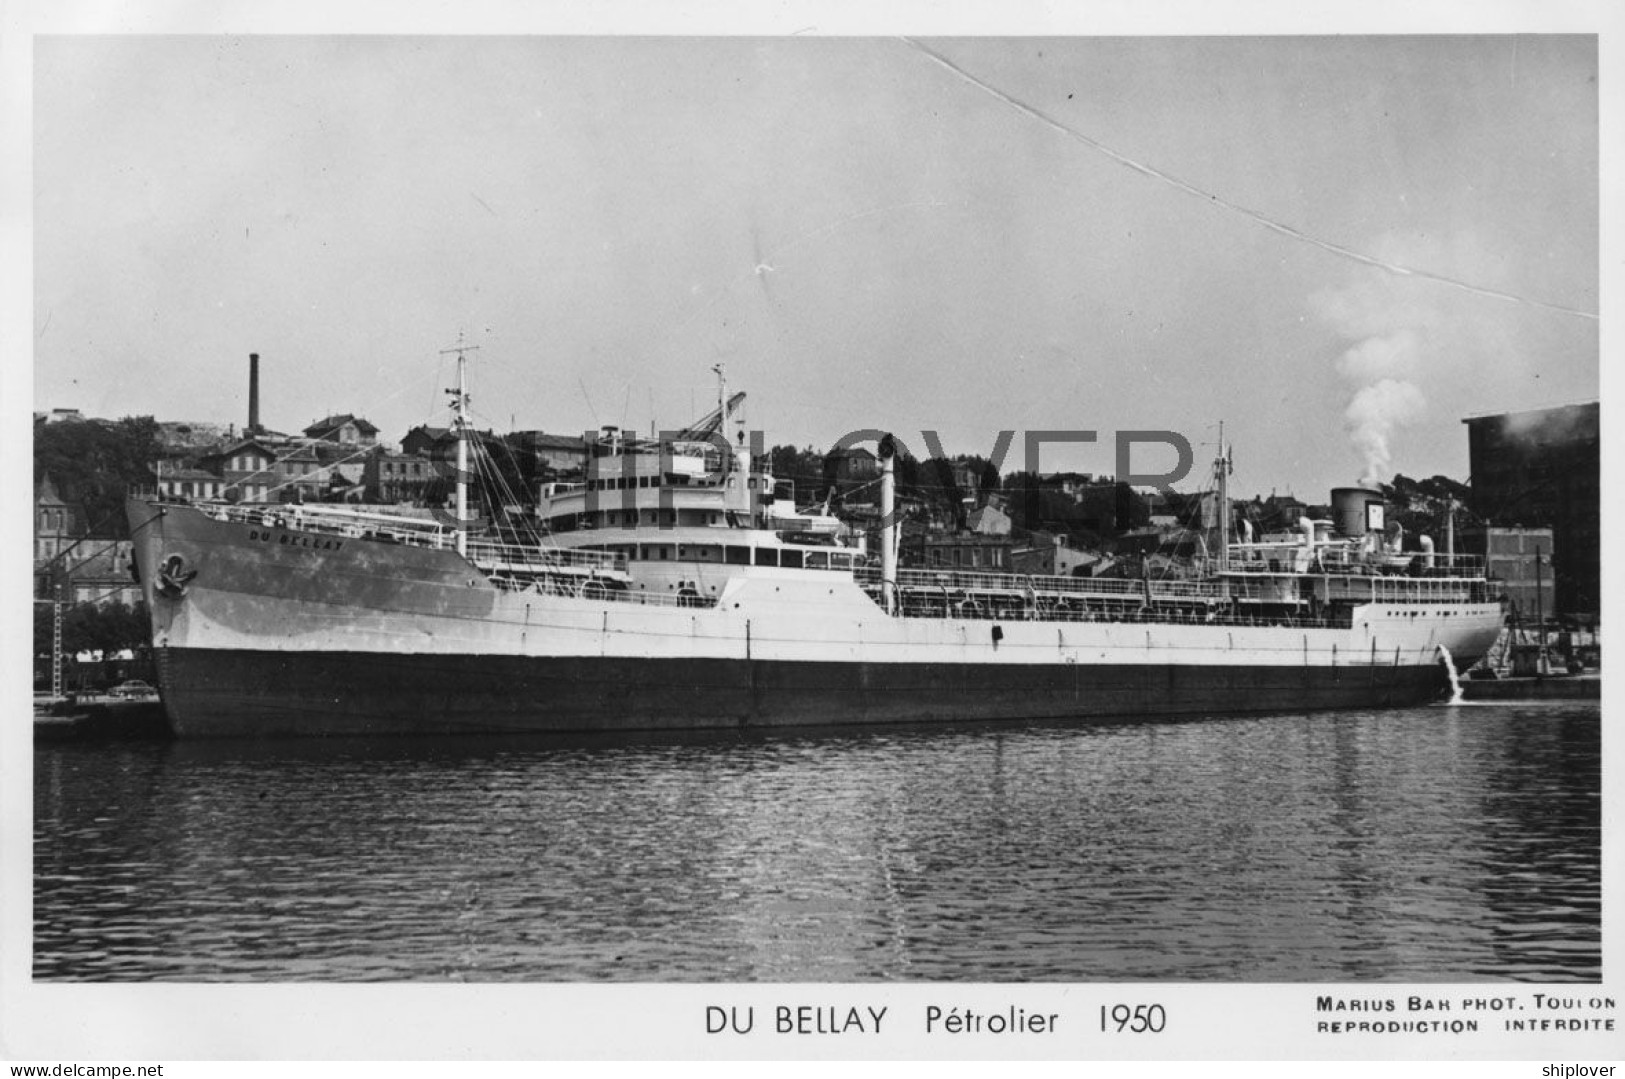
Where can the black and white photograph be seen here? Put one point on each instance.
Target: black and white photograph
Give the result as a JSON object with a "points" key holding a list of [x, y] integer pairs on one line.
{"points": [[767, 537]]}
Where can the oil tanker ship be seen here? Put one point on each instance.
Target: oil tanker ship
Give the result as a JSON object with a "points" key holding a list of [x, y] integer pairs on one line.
{"points": [[674, 589]]}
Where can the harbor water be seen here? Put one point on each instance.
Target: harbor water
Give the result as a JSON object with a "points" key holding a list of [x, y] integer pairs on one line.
{"points": [[1433, 844]]}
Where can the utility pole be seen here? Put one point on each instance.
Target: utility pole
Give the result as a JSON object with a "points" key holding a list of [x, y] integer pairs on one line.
{"points": [[1540, 617], [56, 646]]}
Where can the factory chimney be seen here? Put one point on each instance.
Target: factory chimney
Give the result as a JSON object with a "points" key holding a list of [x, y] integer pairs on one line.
{"points": [[253, 394]]}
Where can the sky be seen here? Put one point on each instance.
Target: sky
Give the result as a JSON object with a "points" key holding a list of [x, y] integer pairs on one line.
{"points": [[1336, 246]]}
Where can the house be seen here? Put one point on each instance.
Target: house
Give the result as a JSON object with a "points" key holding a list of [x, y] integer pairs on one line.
{"points": [[180, 482], [95, 571], [300, 474], [1045, 555], [989, 520], [965, 550], [1074, 485], [246, 469], [397, 477], [557, 453], [848, 468], [420, 441], [345, 429], [968, 478], [341, 465], [70, 566]]}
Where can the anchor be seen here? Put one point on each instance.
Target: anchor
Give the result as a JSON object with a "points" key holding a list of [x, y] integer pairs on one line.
{"points": [[174, 576]]}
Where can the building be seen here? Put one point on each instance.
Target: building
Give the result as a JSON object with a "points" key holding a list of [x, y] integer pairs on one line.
{"points": [[953, 477], [180, 482], [1074, 485], [397, 477], [345, 429], [245, 469], [989, 520], [1542, 469], [851, 467], [557, 454], [56, 523], [300, 475], [1277, 513], [421, 440], [561, 453], [965, 550], [341, 465], [1510, 558], [72, 567], [1045, 555]]}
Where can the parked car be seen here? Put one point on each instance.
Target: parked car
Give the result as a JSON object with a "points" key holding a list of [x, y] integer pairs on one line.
{"points": [[133, 688]]}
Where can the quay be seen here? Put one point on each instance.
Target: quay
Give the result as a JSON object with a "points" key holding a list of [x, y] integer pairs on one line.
{"points": [[1556, 687], [98, 718]]}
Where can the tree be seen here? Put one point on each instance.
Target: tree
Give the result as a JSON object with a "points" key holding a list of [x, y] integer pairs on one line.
{"points": [[89, 627], [94, 463], [908, 472], [1421, 507], [511, 476], [1085, 521], [1132, 511], [802, 467], [44, 619]]}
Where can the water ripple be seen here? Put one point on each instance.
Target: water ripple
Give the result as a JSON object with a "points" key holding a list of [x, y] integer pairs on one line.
{"points": [[1422, 845]]}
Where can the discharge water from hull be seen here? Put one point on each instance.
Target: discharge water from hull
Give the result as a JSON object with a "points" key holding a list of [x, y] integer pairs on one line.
{"points": [[1455, 679]]}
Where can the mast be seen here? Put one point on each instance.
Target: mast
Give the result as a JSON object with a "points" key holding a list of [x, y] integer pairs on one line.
{"points": [[722, 415], [460, 408], [888, 533], [1221, 470]]}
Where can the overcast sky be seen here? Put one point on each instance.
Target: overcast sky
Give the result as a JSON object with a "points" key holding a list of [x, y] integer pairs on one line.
{"points": [[864, 235]]}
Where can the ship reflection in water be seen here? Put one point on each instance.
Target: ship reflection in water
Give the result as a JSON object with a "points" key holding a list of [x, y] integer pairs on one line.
{"points": [[1453, 844]]}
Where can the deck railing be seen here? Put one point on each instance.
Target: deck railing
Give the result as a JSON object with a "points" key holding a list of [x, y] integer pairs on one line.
{"points": [[1016, 584], [599, 591], [940, 589], [916, 605], [415, 532], [528, 556], [1343, 560]]}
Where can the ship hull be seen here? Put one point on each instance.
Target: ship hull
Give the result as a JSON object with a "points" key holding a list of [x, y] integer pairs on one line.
{"points": [[268, 630], [275, 694]]}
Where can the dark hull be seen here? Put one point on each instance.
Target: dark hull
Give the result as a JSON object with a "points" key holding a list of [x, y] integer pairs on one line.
{"points": [[271, 694]]}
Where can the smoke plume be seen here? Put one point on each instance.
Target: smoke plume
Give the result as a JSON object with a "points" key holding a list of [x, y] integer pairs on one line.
{"points": [[1391, 336], [1372, 417]]}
